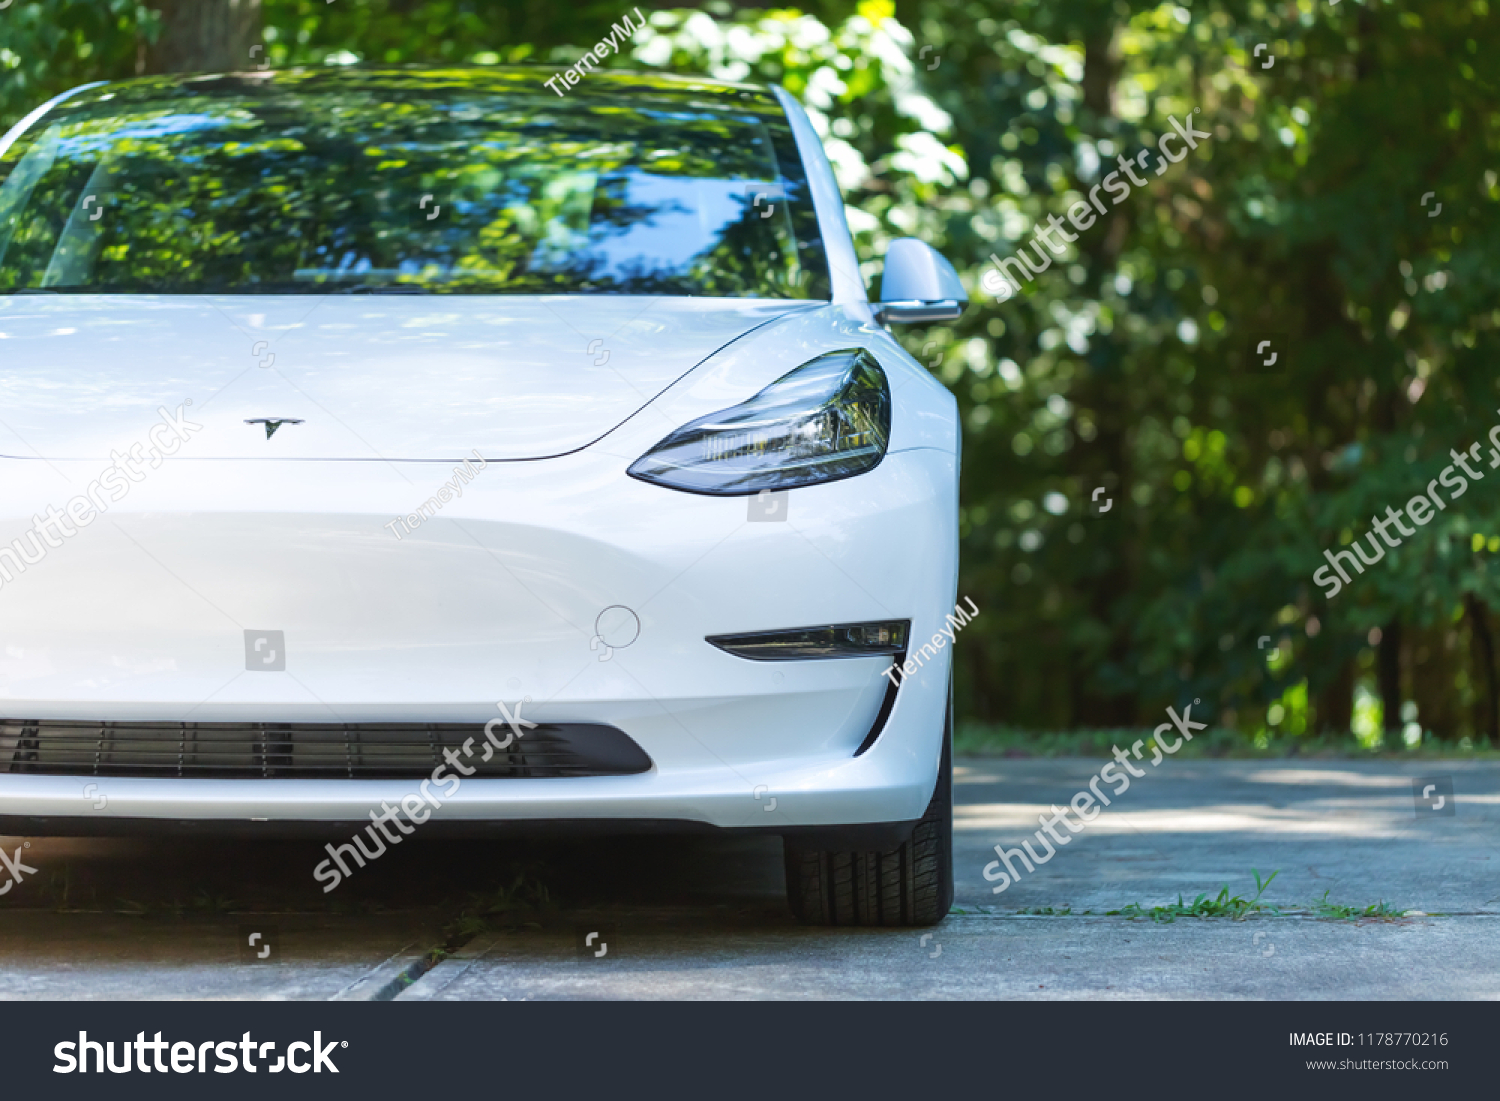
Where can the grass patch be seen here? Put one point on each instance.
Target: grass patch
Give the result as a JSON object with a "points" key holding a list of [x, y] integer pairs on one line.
{"points": [[1236, 908], [1377, 911], [1223, 905], [971, 739]]}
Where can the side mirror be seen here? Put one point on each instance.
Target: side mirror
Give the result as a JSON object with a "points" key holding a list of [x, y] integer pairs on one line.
{"points": [[919, 285]]}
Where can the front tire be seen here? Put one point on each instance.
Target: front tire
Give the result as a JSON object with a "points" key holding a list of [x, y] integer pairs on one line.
{"points": [[909, 885]]}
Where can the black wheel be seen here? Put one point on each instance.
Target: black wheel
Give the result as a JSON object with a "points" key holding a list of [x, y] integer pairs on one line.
{"points": [[909, 885]]}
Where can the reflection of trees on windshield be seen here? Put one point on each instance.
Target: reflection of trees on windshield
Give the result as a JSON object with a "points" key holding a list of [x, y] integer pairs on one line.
{"points": [[444, 182], [735, 258]]}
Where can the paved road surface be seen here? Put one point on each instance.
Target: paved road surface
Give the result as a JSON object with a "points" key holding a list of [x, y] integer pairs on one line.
{"points": [[697, 917]]}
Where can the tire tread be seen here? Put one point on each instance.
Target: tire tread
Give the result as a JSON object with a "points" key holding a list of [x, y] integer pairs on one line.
{"points": [[911, 885]]}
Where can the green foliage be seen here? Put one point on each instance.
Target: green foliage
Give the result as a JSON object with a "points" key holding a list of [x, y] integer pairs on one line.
{"points": [[975, 739], [1131, 366], [49, 46]]}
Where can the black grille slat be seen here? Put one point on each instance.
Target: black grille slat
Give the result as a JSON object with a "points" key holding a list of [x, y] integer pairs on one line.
{"points": [[216, 772], [306, 750]]}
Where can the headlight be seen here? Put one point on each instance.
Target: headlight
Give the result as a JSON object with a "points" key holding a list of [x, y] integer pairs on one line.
{"points": [[828, 419]]}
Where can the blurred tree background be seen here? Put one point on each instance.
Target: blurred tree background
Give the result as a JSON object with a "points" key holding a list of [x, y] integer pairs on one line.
{"points": [[1341, 209]]}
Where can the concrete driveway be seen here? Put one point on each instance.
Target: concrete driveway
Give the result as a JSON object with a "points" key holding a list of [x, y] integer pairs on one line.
{"points": [[705, 917]]}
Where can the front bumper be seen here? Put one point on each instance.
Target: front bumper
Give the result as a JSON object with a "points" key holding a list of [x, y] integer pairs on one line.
{"points": [[143, 615]]}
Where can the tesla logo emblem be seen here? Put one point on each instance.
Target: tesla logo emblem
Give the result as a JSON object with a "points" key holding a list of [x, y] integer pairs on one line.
{"points": [[273, 423]]}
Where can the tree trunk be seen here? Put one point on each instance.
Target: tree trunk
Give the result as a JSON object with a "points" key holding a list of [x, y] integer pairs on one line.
{"points": [[1107, 460], [1482, 655], [1388, 673], [205, 36], [1335, 708], [1101, 69], [1432, 658]]}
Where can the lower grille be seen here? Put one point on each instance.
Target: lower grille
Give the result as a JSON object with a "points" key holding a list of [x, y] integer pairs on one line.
{"points": [[309, 751]]}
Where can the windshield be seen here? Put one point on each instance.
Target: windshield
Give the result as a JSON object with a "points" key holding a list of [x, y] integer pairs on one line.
{"points": [[447, 183]]}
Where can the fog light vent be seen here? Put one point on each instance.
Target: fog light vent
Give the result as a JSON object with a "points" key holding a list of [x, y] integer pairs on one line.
{"points": [[843, 640]]}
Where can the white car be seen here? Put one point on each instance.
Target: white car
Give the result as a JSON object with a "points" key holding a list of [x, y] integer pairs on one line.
{"points": [[398, 450]]}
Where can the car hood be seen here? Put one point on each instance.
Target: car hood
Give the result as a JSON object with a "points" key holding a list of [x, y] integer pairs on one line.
{"points": [[369, 377]]}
